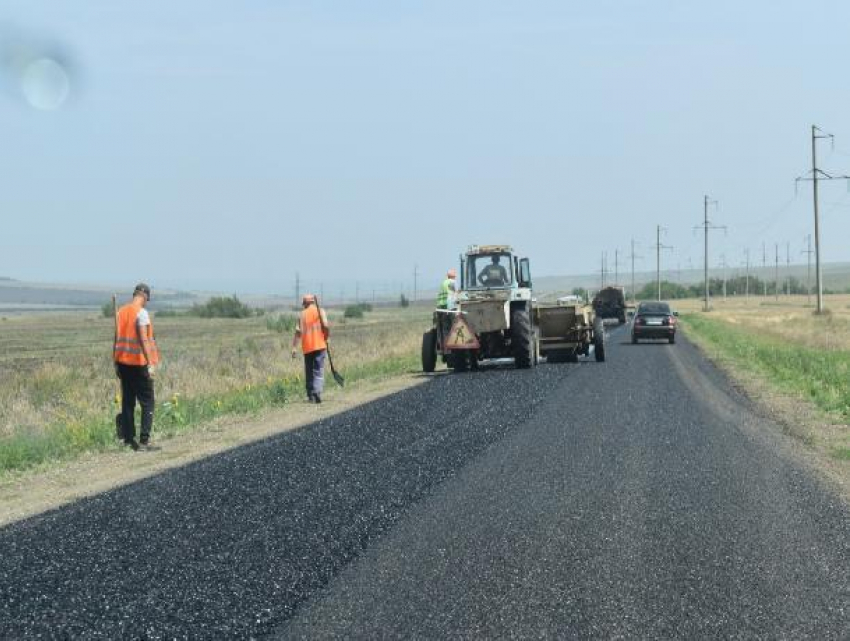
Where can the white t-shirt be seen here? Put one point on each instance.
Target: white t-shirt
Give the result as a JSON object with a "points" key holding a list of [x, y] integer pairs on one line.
{"points": [[143, 318]]}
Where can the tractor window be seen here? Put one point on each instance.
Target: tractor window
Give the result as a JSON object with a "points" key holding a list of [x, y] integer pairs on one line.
{"points": [[490, 270]]}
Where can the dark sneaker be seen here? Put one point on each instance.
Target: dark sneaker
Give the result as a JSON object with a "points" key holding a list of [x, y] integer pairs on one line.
{"points": [[147, 445], [133, 445], [317, 398]]}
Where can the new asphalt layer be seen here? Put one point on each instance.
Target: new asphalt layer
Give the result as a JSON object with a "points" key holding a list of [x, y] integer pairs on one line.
{"points": [[638, 498]]}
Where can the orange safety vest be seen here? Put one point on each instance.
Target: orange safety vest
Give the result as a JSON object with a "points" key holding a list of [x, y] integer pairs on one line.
{"points": [[127, 349], [313, 336]]}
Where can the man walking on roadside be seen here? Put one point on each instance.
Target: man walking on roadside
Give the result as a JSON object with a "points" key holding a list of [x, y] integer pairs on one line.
{"points": [[312, 330], [136, 356]]}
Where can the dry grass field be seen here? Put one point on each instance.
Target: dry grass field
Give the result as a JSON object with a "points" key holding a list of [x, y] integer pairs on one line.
{"points": [[790, 319], [58, 392]]}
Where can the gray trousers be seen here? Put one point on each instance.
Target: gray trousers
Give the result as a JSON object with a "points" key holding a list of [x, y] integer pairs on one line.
{"points": [[314, 372]]}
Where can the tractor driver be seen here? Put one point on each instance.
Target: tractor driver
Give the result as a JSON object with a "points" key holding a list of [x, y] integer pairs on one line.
{"points": [[493, 275]]}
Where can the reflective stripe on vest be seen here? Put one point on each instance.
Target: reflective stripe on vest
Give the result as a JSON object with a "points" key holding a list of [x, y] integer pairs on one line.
{"points": [[127, 348], [312, 334]]}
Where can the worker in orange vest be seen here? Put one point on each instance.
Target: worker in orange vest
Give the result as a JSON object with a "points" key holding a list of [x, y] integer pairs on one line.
{"points": [[136, 356], [312, 330]]}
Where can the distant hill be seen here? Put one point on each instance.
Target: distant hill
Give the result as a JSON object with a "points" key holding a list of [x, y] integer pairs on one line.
{"points": [[16, 294], [835, 276]]}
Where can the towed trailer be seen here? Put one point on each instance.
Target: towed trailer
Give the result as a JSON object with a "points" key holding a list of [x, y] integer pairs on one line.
{"points": [[566, 331]]}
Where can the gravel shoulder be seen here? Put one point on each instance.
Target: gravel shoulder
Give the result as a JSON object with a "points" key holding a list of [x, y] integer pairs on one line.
{"points": [[791, 423]]}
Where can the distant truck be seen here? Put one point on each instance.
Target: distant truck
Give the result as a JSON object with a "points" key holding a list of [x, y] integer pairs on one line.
{"points": [[610, 302]]}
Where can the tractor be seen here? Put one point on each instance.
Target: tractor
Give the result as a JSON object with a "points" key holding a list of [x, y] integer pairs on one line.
{"points": [[491, 316]]}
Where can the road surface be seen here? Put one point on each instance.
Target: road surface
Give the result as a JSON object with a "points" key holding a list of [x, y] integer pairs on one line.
{"points": [[637, 498]]}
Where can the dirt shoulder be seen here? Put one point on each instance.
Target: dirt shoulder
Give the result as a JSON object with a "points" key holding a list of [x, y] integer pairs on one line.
{"points": [[35, 491], [808, 435]]}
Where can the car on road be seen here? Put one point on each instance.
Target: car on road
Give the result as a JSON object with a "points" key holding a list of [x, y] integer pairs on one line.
{"points": [[654, 320]]}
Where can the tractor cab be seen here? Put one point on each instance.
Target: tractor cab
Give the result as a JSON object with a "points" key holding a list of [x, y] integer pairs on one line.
{"points": [[493, 267]]}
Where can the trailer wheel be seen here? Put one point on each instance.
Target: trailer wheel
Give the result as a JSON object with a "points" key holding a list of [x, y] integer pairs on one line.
{"points": [[522, 338], [599, 340], [429, 350]]}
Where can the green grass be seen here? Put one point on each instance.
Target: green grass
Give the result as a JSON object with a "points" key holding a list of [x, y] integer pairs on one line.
{"points": [[819, 375], [58, 389], [61, 441]]}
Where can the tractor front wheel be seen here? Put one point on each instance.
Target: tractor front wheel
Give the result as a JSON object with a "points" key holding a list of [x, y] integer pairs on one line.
{"points": [[429, 351]]}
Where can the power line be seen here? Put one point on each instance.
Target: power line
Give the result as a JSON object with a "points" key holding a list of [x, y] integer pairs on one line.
{"points": [[633, 257], [707, 226], [808, 252], [658, 247], [814, 176]]}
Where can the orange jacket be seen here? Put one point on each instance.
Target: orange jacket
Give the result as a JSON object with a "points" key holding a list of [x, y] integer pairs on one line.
{"points": [[313, 337], [128, 349]]}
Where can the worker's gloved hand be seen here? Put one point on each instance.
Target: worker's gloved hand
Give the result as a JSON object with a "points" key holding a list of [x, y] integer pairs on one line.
{"points": [[150, 371], [117, 370], [294, 353]]}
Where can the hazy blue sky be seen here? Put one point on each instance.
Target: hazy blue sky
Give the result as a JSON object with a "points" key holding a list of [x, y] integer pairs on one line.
{"points": [[226, 145]]}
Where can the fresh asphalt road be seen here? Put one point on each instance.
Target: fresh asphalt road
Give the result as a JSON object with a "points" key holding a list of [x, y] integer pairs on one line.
{"points": [[637, 498]]}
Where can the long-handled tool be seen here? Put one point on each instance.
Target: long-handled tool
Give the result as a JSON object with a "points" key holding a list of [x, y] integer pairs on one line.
{"points": [[337, 376], [119, 430]]}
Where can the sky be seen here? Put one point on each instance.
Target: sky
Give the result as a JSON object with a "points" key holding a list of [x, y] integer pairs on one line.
{"points": [[226, 146]]}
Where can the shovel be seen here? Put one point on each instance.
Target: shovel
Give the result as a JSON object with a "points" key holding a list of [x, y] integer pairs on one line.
{"points": [[119, 428], [337, 376]]}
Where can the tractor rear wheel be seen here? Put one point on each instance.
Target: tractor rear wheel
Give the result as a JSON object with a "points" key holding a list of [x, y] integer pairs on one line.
{"points": [[429, 350], [522, 338]]}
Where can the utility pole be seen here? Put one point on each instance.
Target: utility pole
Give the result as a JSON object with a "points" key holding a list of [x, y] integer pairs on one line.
{"points": [[602, 272], [814, 176], [707, 226], [415, 282], [357, 292], [616, 266], [776, 275], [297, 289], [787, 269], [633, 256], [764, 269], [658, 247], [808, 252], [723, 265]]}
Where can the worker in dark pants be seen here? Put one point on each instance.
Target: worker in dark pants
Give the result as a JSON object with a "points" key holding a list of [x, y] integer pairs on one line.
{"points": [[136, 357], [312, 332]]}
